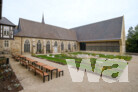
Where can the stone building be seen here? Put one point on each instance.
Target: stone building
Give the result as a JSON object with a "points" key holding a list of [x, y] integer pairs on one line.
{"points": [[6, 34], [34, 37], [40, 38], [104, 36]]}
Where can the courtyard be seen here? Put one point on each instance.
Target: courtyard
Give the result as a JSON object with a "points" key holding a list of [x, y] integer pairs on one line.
{"points": [[31, 83]]}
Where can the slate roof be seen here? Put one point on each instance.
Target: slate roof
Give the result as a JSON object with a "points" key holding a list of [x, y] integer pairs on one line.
{"points": [[5, 21], [29, 28], [104, 30]]}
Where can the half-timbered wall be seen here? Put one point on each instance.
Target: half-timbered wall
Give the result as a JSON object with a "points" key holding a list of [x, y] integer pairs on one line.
{"points": [[6, 32]]}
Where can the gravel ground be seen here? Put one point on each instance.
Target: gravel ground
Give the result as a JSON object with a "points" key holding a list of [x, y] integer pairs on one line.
{"points": [[33, 83]]}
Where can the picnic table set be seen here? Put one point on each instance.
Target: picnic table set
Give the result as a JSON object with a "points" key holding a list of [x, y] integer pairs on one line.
{"points": [[38, 67]]}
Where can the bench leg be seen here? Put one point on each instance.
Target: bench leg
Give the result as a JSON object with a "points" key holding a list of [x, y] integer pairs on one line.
{"points": [[35, 73], [28, 68], [43, 78], [48, 77], [46, 70], [51, 74], [59, 74], [62, 73]]}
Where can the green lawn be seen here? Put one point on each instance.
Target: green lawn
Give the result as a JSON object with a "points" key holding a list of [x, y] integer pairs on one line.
{"points": [[126, 57], [96, 64]]}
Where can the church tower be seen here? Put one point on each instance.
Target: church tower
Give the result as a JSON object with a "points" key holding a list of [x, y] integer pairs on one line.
{"points": [[43, 20]]}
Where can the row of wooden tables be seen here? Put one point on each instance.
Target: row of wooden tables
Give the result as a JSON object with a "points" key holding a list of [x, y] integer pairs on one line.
{"points": [[41, 66]]}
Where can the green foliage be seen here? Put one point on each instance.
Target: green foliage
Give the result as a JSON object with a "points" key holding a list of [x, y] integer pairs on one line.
{"points": [[114, 75], [132, 40], [114, 66], [33, 55], [127, 58], [63, 61], [101, 55], [93, 62]]}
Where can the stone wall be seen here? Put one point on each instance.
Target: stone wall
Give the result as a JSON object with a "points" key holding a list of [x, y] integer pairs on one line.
{"points": [[3, 48], [123, 39], [18, 45]]}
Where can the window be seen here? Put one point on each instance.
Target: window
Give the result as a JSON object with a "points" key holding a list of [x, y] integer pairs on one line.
{"points": [[48, 47], [6, 43], [39, 46], [62, 46], [55, 44], [69, 47], [75, 47], [6, 30], [27, 46]]}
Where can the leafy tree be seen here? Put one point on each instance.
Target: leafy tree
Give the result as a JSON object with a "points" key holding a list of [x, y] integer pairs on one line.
{"points": [[132, 40]]}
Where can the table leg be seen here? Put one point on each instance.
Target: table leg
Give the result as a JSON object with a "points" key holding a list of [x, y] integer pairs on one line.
{"points": [[56, 73], [51, 73]]}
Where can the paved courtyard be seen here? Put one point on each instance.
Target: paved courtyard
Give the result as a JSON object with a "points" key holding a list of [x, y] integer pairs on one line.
{"points": [[64, 83]]}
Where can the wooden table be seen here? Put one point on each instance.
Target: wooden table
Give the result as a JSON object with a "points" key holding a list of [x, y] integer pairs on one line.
{"points": [[51, 69], [31, 60], [40, 65], [22, 57]]}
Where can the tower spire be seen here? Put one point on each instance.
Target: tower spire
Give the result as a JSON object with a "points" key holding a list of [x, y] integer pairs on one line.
{"points": [[43, 20]]}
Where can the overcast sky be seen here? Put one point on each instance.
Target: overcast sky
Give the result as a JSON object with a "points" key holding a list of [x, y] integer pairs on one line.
{"points": [[71, 13]]}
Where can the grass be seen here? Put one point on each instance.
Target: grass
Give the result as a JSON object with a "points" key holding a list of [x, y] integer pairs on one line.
{"points": [[96, 64], [60, 58], [127, 57]]}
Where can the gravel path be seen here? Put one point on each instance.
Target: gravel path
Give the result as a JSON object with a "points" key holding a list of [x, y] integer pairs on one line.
{"points": [[33, 83]]}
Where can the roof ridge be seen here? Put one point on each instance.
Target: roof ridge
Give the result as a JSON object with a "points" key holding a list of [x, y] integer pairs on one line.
{"points": [[97, 22], [44, 24]]}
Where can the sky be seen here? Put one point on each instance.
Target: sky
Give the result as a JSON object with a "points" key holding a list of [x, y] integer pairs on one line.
{"points": [[71, 13]]}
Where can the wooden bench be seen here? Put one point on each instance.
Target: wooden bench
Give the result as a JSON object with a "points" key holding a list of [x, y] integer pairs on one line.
{"points": [[17, 58], [38, 71], [13, 56], [60, 71], [42, 73], [24, 62], [30, 66], [51, 69]]}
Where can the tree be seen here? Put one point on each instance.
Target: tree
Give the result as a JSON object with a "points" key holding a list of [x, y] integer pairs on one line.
{"points": [[132, 40]]}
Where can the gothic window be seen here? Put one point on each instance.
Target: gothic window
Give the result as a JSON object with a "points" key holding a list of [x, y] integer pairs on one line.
{"points": [[69, 47], [27, 46], [48, 47], [62, 46], [55, 44], [75, 47], [39, 46]]}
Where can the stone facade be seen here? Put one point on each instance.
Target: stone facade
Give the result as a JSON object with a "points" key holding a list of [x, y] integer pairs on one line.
{"points": [[123, 40], [17, 45], [3, 48]]}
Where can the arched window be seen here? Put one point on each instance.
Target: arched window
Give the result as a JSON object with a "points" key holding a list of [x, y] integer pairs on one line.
{"points": [[69, 46], [55, 44], [75, 47], [27, 46], [39, 46], [48, 47], [62, 46]]}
